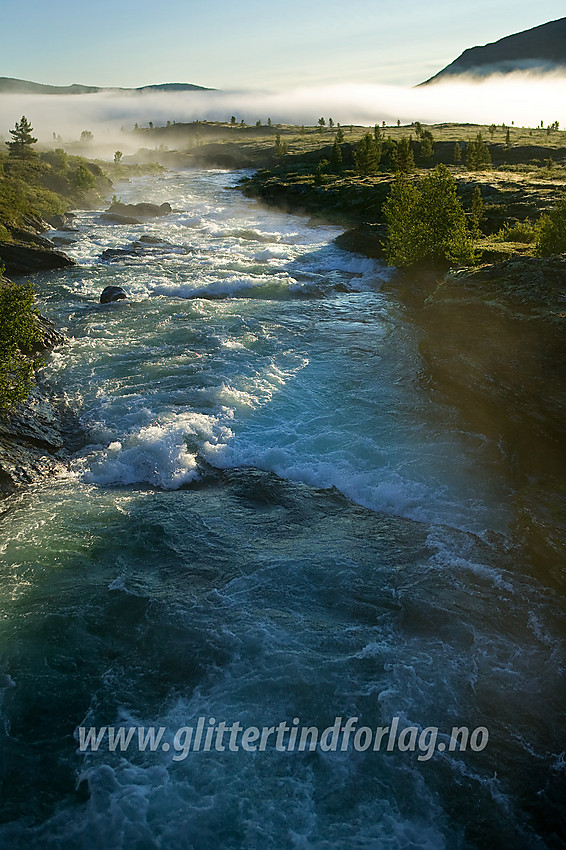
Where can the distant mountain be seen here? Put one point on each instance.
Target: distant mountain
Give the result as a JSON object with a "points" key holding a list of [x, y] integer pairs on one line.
{"points": [[540, 48], [8, 85]]}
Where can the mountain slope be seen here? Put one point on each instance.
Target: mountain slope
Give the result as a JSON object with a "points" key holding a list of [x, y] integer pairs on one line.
{"points": [[542, 48], [9, 85]]}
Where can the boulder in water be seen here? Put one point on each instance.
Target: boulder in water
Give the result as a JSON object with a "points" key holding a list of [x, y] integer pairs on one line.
{"points": [[117, 218], [143, 210], [112, 293]]}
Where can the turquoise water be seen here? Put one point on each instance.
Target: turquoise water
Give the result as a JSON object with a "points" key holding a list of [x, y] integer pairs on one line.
{"points": [[270, 519]]}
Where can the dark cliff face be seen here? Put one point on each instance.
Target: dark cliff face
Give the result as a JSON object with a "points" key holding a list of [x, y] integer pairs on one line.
{"points": [[542, 47]]}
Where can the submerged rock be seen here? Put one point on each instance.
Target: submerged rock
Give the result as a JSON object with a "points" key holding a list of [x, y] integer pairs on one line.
{"points": [[63, 240], [111, 255], [112, 293], [367, 239]]}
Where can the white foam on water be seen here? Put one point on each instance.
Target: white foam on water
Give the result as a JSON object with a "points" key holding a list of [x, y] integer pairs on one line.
{"points": [[230, 285], [156, 455]]}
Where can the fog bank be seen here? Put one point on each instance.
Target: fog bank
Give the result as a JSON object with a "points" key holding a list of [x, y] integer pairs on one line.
{"points": [[524, 98]]}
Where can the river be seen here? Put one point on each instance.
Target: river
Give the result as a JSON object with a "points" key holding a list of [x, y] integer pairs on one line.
{"points": [[271, 522]]}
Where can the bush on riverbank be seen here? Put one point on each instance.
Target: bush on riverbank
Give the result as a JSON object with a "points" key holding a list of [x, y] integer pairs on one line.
{"points": [[426, 222], [551, 238], [19, 334]]}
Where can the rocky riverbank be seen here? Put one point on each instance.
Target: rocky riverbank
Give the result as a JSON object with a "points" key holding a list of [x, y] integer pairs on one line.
{"points": [[37, 438], [493, 345], [29, 251]]}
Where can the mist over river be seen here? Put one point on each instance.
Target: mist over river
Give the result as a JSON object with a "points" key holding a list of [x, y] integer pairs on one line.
{"points": [[271, 518]]}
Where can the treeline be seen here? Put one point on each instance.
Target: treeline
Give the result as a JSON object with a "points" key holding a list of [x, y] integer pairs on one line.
{"points": [[375, 153]]}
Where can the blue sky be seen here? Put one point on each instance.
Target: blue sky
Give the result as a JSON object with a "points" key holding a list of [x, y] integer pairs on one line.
{"points": [[252, 44]]}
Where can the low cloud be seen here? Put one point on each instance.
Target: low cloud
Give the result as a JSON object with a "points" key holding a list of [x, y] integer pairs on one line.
{"points": [[525, 98]]}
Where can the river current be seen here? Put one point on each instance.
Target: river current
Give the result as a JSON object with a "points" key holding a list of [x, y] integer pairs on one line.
{"points": [[270, 519]]}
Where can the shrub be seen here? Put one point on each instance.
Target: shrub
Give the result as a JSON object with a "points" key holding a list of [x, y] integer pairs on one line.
{"points": [[426, 222], [522, 231], [19, 334], [81, 178], [551, 228], [58, 159]]}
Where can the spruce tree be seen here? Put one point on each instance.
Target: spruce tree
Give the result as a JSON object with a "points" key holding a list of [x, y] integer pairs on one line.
{"points": [[403, 159], [367, 155], [551, 237], [426, 144], [22, 139], [478, 155], [477, 212], [336, 158]]}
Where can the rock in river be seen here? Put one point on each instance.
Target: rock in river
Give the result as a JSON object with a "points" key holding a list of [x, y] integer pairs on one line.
{"points": [[120, 213], [112, 293]]}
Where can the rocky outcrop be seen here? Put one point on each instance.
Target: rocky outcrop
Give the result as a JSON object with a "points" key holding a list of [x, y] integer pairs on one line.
{"points": [[29, 251], [20, 258], [60, 220], [31, 443]]}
